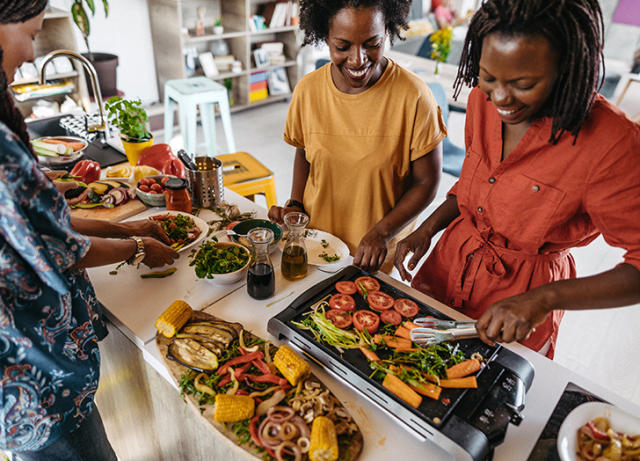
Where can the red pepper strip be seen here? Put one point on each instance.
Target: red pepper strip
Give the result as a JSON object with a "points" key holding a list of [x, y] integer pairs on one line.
{"points": [[238, 373], [241, 392], [262, 366], [597, 433], [254, 435], [267, 378], [240, 359]]}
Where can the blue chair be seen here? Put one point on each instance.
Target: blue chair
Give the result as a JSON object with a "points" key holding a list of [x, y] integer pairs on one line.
{"points": [[321, 62], [452, 155]]}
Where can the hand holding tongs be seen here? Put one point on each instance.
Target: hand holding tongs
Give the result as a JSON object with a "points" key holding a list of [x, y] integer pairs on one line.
{"points": [[435, 331]]}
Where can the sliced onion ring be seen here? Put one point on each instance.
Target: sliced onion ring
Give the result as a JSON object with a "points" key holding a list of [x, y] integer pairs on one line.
{"points": [[304, 444], [291, 449], [280, 414], [289, 431]]}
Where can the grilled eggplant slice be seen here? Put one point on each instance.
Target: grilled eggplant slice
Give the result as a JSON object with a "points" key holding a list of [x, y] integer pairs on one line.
{"points": [[212, 332], [214, 346], [192, 354], [230, 327]]}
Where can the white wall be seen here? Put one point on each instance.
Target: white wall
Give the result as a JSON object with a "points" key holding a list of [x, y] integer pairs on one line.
{"points": [[127, 34]]}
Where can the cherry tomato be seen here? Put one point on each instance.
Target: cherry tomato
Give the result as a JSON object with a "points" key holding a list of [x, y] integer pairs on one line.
{"points": [[406, 307], [164, 180], [150, 181], [366, 319], [153, 191], [379, 301], [391, 317], [143, 188], [156, 187], [342, 302], [369, 284], [341, 319], [346, 287]]}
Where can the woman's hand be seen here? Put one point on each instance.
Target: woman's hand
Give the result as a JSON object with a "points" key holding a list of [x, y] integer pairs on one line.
{"points": [[514, 318], [418, 243], [276, 213], [371, 251], [146, 228], [157, 254]]}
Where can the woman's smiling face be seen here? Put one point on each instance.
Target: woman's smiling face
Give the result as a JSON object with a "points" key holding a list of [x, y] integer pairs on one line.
{"points": [[356, 44], [518, 73]]}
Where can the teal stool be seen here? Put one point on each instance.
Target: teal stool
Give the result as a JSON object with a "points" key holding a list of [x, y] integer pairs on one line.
{"points": [[190, 93]]}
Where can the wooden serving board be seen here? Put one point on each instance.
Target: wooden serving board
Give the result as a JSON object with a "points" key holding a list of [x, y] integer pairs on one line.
{"points": [[351, 453], [131, 208]]}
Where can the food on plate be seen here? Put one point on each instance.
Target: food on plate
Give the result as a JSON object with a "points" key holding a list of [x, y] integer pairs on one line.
{"points": [[251, 399], [50, 150], [598, 441], [153, 185], [291, 365], [180, 228], [330, 258], [346, 287], [173, 318], [383, 335], [342, 302], [324, 441], [406, 307], [366, 284], [142, 171], [67, 144], [96, 194], [160, 157], [379, 300], [86, 171], [123, 171], [213, 258]]}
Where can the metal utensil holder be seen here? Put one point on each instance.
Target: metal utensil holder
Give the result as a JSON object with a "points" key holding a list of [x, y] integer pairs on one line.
{"points": [[206, 184]]}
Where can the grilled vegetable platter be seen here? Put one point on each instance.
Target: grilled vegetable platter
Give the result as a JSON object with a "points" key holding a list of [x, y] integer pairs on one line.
{"points": [[263, 398]]}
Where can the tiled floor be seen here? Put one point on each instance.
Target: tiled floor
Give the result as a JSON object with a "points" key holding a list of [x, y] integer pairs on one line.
{"points": [[603, 345]]}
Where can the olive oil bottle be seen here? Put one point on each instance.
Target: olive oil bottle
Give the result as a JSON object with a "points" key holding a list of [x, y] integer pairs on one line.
{"points": [[294, 255]]}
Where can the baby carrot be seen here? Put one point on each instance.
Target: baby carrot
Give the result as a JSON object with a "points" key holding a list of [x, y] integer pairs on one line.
{"points": [[463, 369], [403, 332], [369, 354], [401, 390]]}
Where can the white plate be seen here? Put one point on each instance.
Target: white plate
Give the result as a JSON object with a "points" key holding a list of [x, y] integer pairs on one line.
{"points": [[127, 179], [63, 159], [201, 223], [314, 240], [568, 434]]}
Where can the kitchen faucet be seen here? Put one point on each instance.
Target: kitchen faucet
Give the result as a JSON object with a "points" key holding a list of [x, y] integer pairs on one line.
{"points": [[103, 127]]}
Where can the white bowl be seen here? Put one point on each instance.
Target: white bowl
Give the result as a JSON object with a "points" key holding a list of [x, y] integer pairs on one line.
{"points": [[568, 433], [231, 277]]}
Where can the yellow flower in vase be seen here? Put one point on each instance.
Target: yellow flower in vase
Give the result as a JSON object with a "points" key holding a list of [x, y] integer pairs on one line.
{"points": [[441, 45]]}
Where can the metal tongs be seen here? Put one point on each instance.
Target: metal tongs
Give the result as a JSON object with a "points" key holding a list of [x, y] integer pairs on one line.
{"points": [[435, 331]]}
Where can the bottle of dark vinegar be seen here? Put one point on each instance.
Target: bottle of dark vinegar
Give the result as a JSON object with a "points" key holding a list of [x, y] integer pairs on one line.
{"points": [[261, 280]]}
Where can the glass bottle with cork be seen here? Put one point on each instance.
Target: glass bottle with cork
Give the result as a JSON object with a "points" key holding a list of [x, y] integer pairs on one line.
{"points": [[261, 280], [177, 195], [294, 255]]}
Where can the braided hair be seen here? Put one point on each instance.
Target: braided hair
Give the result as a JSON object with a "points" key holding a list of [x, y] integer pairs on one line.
{"points": [[12, 11], [316, 15], [574, 28]]}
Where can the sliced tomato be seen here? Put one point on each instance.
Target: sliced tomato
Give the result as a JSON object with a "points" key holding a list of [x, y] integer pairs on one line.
{"points": [[406, 307], [342, 302], [346, 288], [391, 317], [341, 319], [369, 284], [379, 301], [366, 319]]}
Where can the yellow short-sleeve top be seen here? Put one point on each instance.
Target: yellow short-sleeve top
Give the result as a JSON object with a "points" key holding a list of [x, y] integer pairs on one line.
{"points": [[360, 146]]}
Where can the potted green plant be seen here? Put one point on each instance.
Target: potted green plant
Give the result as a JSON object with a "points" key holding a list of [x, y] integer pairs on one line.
{"points": [[131, 120], [217, 27], [105, 63]]}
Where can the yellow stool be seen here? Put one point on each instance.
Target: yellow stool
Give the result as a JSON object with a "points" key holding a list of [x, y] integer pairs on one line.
{"points": [[246, 176]]}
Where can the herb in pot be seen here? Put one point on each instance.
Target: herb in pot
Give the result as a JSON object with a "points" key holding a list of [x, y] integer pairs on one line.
{"points": [[130, 118]]}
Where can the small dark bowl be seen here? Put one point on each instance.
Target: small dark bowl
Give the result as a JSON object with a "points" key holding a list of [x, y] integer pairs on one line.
{"points": [[243, 227]]}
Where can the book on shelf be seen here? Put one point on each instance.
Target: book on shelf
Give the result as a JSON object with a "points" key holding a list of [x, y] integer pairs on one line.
{"points": [[280, 14], [278, 81]]}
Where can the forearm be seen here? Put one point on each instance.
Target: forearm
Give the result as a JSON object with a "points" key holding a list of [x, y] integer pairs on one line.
{"points": [[617, 287], [107, 251], [442, 217], [100, 228], [300, 175]]}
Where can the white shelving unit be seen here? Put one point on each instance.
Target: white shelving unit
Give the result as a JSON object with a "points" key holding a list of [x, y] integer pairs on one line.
{"points": [[57, 33], [170, 19]]}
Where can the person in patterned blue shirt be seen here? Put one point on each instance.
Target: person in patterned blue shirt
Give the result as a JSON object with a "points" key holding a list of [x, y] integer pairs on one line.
{"points": [[49, 316]]}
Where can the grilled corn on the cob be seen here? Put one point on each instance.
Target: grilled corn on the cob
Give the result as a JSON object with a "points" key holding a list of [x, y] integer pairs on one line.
{"points": [[291, 365], [173, 318], [232, 408], [324, 441]]}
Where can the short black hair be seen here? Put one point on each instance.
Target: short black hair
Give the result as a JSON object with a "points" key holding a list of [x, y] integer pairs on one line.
{"points": [[574, 28], [316, 15]]}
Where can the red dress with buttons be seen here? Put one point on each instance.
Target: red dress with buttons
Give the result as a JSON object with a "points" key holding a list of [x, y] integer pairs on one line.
{"points": [[519, 217]]}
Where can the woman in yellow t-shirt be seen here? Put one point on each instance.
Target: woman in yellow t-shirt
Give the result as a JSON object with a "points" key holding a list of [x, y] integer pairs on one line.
{"points": [[367, 132]]}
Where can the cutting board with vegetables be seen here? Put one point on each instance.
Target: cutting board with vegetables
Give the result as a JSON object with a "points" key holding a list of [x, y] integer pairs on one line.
{"points": [[262, 398], [118, 213]]}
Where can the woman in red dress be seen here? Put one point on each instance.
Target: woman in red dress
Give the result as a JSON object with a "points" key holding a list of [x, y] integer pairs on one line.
{"points": [[550, 165]]}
